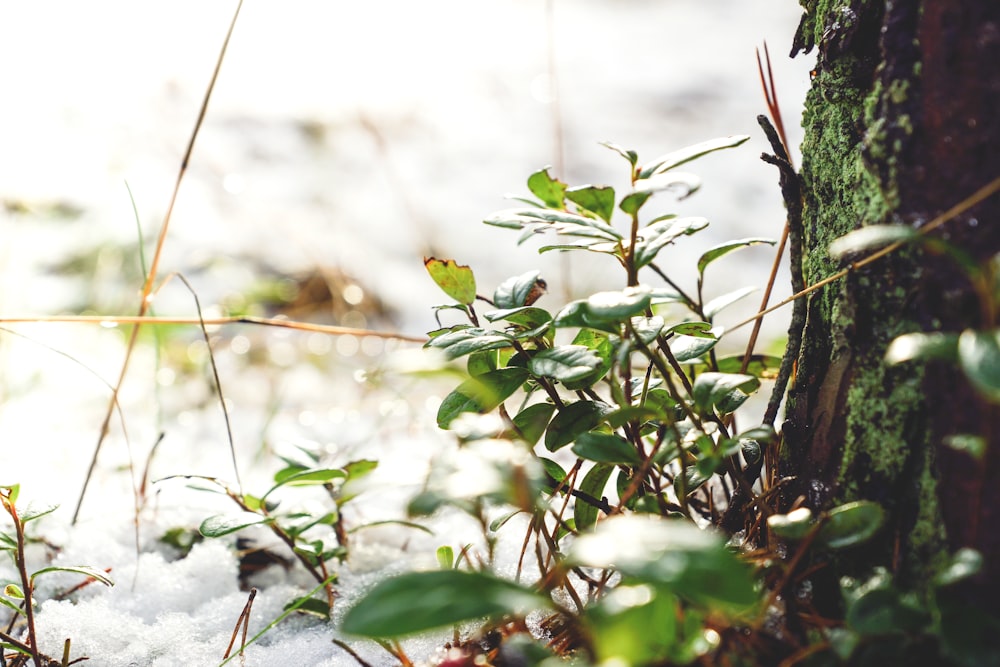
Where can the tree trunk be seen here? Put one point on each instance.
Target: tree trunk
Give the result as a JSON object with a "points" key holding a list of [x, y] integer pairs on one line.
{"points": [[901, 123]]}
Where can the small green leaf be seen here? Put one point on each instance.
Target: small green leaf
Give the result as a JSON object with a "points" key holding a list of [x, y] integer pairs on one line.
{"points": [[482, 393], [686, 348], [565, 363], [710, 389], [224, 524], [598, 199], [422, 601], [605, 310], [445, 557], [922, 346], [553, 469], [584, 513], [979, 357], [683, 183], [550, 190], [606, 448], [516, 291], [35, 510], [692, 562], [718, 251], [85, 570], [973, 445], [716, 305], [600, 344], [308, 477], [562, 222], [572, 420], [657, 235], [679, 157], [465, 341], [792, 526], [964, 563], [455, 280], [631, 156], [851, 524], [532, 420], [13, 591], [870, 238], [632, 202], [696, 329]]}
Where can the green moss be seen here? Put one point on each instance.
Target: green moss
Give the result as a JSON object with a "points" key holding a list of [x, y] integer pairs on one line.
{"points": [[855, 132]]}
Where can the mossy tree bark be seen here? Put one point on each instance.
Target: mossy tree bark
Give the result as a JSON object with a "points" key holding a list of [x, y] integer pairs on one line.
{"points": [[902, 122]]}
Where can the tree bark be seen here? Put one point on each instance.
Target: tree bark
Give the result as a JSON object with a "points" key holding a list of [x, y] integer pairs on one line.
{"points": [[902, 122]]}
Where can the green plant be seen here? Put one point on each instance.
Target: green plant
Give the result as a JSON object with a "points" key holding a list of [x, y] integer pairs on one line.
{"points": [[20, 596], [630, 382]]}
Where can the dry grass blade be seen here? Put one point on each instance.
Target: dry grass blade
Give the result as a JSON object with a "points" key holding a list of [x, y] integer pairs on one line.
{"points": [[214, 321], [242, 622], [218, 382], [154, 265]]}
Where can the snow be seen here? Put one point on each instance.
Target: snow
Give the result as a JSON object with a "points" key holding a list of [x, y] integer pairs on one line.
{"points": [[359, 135]]}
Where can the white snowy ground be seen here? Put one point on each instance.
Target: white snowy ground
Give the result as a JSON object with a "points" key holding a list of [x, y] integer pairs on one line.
{"points": [[360, 135]]}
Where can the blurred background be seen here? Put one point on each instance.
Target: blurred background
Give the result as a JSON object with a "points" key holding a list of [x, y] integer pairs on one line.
{"points": [[344, 141]]}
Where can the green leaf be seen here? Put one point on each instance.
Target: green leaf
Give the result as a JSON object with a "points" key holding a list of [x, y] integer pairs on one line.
{"points": [[598, 199], [696, 329], [553, 469], [565, 363], [584, 513], [600, 344], [445, 557], [465, 341], [35, 510], [657, 235], [710, 389], [686, 348], [692, 562], [964, 563], [562, 222], [224, 524], [851, 524], [550, 190], [973, 445], [605, 310], [683, 183], [870, 238], [532, 321], [979, 357], [631, 156], [482, 394], [13, 591], [679, 157], [85, 570], [922, 346], [572, 420], [422, 601], [455, 280], [516, 291], [882, 611], [632, 202], [716, 305], [308, 477], [531, 421], [718, 251], [792, 526], [606, 448]]}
